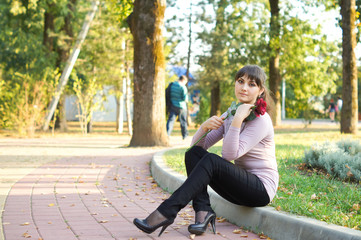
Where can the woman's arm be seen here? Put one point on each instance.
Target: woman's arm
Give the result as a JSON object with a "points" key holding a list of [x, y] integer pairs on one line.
{"points": [[215, 126]]}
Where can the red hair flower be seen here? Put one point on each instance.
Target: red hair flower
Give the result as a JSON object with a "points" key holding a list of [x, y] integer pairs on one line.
{"points": [[261, 107]]}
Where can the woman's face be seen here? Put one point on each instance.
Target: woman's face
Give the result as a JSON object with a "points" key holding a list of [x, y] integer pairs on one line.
{"points": [[247, 90]]}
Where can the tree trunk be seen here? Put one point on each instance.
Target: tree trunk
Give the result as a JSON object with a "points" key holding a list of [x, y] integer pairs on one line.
{"points": [[89, 126], [146, 25], [48, 41], [215, 99], [189, 43], [274, 72], [219, 50], [63, 54], [349, 112]]}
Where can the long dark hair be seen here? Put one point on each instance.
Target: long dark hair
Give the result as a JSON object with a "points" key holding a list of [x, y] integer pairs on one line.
{"points": [[256, 73]]}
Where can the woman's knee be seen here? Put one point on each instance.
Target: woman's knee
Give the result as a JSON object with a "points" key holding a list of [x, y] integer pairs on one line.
{"points": [[194, 153], [193, 156]]}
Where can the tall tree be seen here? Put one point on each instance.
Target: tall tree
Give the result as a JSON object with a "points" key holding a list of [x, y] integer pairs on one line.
{"points": [[349, 112], [274, 60], [215, 72], [219, 50], [146, 25]]}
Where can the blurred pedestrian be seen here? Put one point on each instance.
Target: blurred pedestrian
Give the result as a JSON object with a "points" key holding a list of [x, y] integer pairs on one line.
{"points": [[331, 110], [179, 99]]}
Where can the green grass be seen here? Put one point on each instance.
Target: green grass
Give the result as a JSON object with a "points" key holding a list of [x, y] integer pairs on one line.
{"points": [[303, 192]]}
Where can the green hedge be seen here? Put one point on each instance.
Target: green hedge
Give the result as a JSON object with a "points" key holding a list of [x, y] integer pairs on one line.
{"points": [[340, 159]]}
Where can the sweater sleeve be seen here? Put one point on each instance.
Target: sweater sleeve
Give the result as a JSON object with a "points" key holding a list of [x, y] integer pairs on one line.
{"points": [[238, 142], [211, 138]]}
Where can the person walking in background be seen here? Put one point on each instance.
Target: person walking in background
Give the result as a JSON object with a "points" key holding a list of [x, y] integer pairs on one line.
{"points": [[331, 110], [252, 180], [179, 99]]}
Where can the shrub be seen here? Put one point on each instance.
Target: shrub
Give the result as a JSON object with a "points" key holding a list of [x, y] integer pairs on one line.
{"points": [[340, 159]]}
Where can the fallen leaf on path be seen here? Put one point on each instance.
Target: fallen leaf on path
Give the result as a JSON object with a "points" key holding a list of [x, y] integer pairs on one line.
{"points": [[183, 223], [51, 205], [262, 236], [237, 231], [25, 224], [103, 221], [221, 219], [244, 235], [192, 236], [26, 235]]}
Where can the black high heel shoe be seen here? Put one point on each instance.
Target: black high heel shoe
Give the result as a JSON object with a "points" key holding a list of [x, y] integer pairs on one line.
{"points": [[145, 227], [200, 227]]}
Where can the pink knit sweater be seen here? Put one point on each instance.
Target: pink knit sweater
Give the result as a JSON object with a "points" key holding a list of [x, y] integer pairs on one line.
{"points": [[252, 147]]}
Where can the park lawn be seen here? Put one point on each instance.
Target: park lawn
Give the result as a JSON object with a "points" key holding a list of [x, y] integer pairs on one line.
{"points": [[304, 191]]}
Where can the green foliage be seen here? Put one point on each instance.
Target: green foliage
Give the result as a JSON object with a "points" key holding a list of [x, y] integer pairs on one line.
{"points": [[307, 63], [86, 91], [24, 100], [122, 9], [340, 159], [204, 109], [107, 52]]}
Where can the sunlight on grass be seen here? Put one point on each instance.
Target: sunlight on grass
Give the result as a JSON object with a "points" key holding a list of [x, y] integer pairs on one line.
{"points": [[306, 193]]}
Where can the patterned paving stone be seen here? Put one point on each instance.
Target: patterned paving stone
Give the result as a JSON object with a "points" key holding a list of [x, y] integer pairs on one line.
{"points": [[93, 194]]}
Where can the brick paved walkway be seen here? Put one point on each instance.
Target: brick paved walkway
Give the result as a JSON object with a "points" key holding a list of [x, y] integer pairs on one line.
{"points": [[93, 192]]}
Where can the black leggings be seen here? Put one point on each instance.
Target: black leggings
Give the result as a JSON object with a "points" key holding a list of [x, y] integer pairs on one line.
{"points": [[227, 179]]}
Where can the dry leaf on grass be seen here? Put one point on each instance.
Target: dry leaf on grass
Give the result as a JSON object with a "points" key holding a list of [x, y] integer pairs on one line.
{"points": [[356, 207]]}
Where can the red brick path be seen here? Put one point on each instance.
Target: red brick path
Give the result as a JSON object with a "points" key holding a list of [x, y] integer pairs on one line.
{"points": [[94, 197]]}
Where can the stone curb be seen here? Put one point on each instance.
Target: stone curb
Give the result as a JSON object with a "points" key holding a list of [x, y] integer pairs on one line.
{"points": [[275, 224]]}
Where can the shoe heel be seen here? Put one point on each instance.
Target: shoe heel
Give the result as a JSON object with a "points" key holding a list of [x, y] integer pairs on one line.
{"points": [[213, 224], [163, 228]]}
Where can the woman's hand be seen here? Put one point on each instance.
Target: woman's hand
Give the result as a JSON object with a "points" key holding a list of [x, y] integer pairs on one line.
{"points": [[212, 123], [241, 113]]}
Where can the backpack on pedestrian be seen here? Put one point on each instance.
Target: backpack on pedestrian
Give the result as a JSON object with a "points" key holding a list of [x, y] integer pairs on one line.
{"points": [[168, 102]]}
